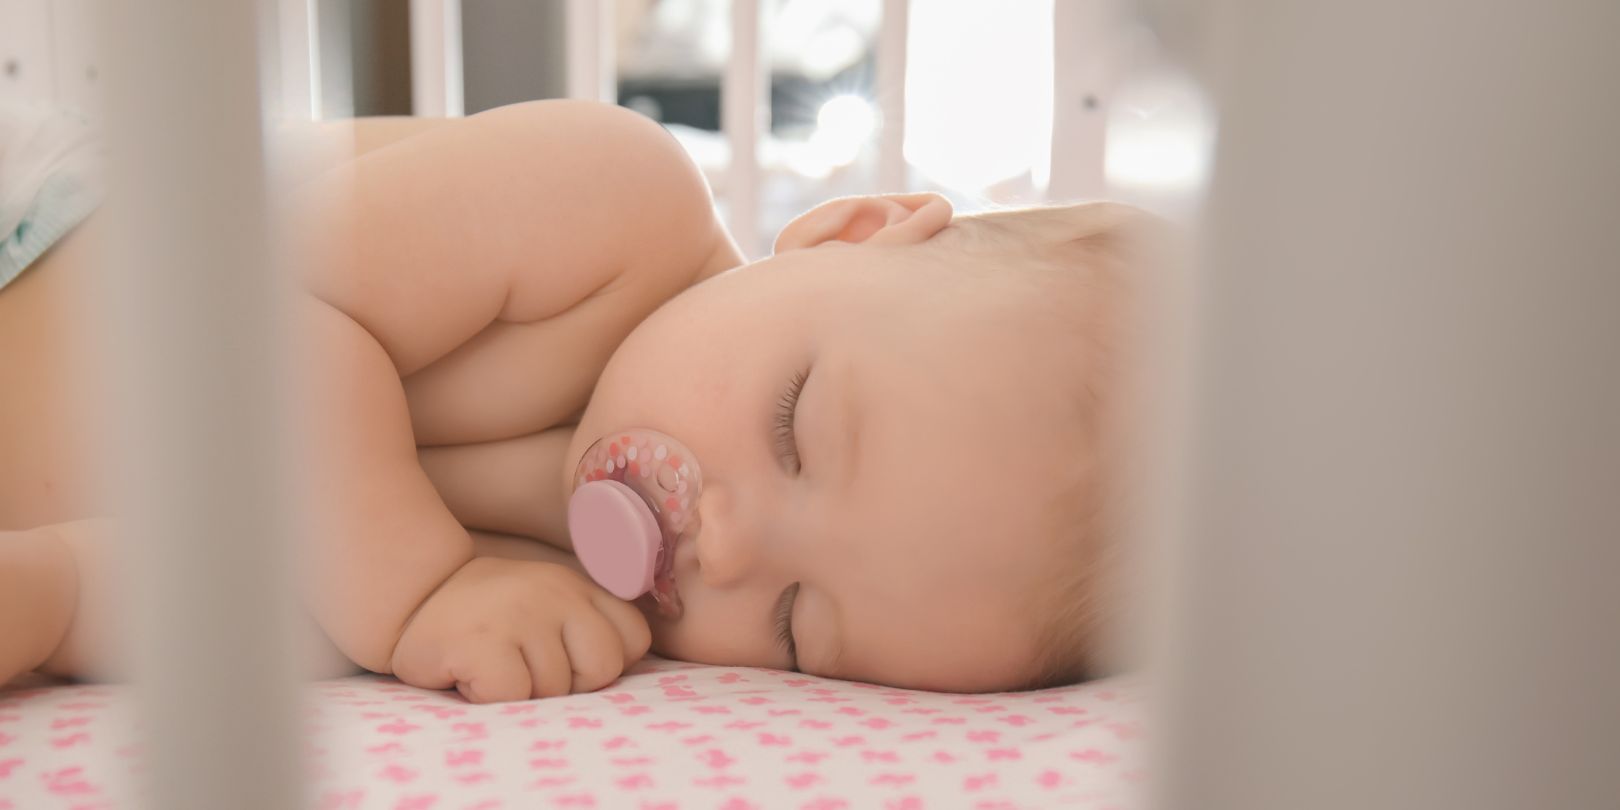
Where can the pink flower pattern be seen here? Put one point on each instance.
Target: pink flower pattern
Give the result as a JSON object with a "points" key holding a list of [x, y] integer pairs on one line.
{"points": [[667, 736]]}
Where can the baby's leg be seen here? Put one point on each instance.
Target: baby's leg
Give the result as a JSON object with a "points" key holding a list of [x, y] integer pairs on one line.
{"points": [[39, 593], [63, 610]]}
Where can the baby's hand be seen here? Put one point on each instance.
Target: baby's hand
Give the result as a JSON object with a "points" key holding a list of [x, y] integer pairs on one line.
{"points": [[502, 630]]}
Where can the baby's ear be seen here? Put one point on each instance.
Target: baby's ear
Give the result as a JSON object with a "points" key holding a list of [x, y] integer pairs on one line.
{"points": [[877, 219]]}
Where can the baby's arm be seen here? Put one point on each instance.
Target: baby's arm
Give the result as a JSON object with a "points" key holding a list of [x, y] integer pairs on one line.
{"points": [[516, 214]]}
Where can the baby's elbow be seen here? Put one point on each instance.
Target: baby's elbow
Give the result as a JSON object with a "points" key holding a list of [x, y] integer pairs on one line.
{"points": [[627, 153], [643, 196], [664, 204]]}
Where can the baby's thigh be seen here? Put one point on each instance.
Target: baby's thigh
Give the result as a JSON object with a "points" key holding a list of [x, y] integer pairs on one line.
{"points": [[50, 401]]}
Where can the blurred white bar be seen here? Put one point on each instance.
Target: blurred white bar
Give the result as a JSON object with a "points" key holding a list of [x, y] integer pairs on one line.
{"points": [[189, 324], [891, 95], [436, 80], [1086, 55], [592, 72], [1405, 529], [26, 42], [334, 22], [744, 116], [77, 57], [298, 43]]}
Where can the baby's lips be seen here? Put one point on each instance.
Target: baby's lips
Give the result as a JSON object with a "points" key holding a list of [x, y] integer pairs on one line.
{"points": [[615, 536]]}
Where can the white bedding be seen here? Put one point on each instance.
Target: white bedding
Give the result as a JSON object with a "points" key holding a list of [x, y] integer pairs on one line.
{"points": [[669, 735]]}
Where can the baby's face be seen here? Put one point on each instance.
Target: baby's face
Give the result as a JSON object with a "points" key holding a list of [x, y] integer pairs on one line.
{"points": [[893, 508]]}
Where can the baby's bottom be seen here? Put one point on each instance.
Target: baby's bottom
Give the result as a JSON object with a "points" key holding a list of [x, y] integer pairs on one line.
{"points": [[61, 603], [39, 594], [62, 606]]}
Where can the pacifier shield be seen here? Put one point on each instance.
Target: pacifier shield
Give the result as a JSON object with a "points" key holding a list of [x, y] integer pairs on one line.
{"points": [[615, 536]]}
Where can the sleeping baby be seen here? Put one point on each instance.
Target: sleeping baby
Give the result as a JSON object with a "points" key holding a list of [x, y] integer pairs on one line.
{"points": [[554, 420]]}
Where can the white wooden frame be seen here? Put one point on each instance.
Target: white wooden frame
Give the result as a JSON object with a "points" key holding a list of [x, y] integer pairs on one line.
{"points": [[745, 116], [299, 59], [1085, 73], [891, 95], [591, 73], [436, 66]]}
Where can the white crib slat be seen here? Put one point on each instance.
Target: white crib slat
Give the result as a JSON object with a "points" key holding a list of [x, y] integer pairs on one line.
{"points": [[298, 43], [744, 115], [592, 72], [891, 95], [26, 71], [1085, 59], [77, 60], [334, 24], [202, 507], [1433, 624], [436, 66]]}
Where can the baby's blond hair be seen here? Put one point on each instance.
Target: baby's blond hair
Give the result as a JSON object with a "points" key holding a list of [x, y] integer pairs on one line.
{"points": [[1083, 262]]}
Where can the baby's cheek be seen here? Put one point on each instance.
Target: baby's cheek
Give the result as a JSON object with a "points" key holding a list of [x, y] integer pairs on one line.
{"points": [[660, 635], [679, 639], [708, 639], [670, 639]]}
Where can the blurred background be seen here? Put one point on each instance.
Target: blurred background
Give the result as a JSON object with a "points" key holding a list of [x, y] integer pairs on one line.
{"points": [[1392, 522], [1004, 103]]}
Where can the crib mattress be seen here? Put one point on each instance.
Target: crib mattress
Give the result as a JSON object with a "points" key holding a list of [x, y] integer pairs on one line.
{"points": [[669, 735]]}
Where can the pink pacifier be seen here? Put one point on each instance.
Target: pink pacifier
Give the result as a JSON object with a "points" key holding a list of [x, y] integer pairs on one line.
{"points": [[635, 495]]}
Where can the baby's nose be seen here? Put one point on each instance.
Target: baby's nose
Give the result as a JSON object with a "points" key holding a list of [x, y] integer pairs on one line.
{"points": [[727, 546]]}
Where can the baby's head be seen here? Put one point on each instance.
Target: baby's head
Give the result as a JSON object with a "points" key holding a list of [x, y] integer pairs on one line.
{"points": [[903, 422]]}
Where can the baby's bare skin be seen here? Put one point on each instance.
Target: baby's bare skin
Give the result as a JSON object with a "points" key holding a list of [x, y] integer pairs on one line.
{"points": [[901, 416], [466, 282]]}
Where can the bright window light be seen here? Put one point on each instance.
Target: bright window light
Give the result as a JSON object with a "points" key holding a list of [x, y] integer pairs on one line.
{"points": [[979, 91], [844, 125], [1161, 133]]}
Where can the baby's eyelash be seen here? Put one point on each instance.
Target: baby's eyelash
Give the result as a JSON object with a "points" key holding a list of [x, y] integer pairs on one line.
{"points": [[784, 623], [787, 443]]}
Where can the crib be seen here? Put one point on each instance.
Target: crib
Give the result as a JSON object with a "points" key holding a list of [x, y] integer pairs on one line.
{"points": [[1328, 637]]}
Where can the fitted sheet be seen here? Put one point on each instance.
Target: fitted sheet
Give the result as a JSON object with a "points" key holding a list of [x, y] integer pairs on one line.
{"points": [[669, 735]]}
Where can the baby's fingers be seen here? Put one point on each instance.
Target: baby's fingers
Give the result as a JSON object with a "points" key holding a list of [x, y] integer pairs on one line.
{"points": [[627, 619], [549, 671], [491, 671], [595, 650]]}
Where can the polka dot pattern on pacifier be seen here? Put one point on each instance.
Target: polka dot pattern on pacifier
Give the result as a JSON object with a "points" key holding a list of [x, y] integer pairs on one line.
{"points": [[650, 463]]}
